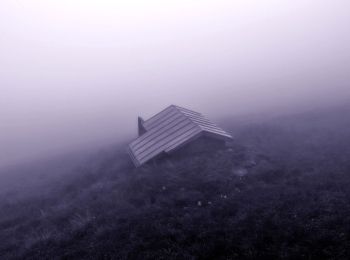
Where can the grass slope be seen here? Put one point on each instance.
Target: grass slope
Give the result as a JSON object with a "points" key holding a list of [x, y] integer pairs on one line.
{"points": [[280, 192]]}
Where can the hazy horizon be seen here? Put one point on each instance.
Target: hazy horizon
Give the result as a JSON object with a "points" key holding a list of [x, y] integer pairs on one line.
{"points": [[75, 73]]}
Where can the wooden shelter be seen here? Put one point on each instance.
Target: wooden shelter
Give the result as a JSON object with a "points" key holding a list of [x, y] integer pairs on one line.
{"points": [[171, 129]]}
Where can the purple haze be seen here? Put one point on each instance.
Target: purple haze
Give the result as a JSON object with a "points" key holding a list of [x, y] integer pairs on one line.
{"points": [[74, 73]]}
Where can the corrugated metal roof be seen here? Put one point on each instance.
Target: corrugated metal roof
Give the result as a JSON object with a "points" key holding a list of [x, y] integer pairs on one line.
{"points": [[170, 129]]}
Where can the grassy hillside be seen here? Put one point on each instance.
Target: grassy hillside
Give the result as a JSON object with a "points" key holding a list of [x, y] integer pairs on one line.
{"points": [[280, 191]]}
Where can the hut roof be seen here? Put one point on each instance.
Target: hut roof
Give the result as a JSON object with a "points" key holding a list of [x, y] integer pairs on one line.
{"points": [[169, 130]]}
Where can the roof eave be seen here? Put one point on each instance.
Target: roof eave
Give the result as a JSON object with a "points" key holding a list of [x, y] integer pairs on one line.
{"points": [[132, 156]]}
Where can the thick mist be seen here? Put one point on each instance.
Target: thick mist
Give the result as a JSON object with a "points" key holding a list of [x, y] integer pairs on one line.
{"points": [[75, 74]]}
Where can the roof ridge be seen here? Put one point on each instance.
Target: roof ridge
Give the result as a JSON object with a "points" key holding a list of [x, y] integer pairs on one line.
{"points": [[181, 109], [204, 128], [191, 119], [158, 113]]}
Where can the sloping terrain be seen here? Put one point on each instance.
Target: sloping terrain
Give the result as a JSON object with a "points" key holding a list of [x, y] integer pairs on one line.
{"points": [[280, 191]]}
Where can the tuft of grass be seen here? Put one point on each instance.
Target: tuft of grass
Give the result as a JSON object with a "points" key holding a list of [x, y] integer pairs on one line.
{"points": [[81, 220]]}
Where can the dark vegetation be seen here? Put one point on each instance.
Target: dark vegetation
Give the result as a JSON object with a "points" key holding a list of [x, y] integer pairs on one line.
{"points": [[281, 191]]}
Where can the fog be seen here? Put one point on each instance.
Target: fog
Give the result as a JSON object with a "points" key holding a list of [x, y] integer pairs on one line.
{"points": [[77, 73]]}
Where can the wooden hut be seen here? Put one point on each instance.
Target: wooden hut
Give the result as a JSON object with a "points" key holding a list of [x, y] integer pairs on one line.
{"points": [[172, 130]]}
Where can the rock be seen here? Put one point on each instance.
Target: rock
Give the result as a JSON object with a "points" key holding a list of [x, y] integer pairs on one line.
{"points": [[240, 171]]}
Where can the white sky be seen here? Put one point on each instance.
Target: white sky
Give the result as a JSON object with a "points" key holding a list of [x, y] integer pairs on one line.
{"points": [[74, 72]]}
